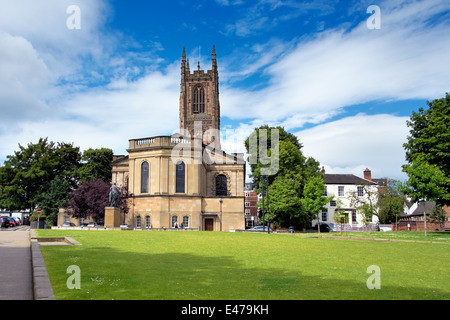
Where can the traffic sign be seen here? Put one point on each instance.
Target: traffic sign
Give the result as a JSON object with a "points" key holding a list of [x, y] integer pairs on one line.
{"points": [[38, 211]]}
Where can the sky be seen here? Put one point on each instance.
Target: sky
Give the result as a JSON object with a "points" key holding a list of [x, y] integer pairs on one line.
{"points": [[342, 78]]}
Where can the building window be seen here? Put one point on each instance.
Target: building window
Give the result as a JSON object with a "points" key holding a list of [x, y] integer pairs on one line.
{"points": [[247, 204], [360, 191], [138, 222], [340, 191], [353, 215], [185, 221], [247, 212], [180, 174], [333, 203], [199, 100], [324, 214], [144, 177], [147, 221], [247, 193], [221, 185], [174, 221], [325, 193]]}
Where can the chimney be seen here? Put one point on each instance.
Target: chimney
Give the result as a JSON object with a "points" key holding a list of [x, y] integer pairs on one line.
{"points": [[323, 170], [368, 174]]}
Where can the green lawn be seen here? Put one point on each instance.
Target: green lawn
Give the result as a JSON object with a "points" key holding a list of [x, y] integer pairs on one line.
{"points": [[213, 265]]}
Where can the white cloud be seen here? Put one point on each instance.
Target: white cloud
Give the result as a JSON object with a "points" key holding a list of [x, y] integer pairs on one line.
{"points": [[351, 144], [406, 59]]}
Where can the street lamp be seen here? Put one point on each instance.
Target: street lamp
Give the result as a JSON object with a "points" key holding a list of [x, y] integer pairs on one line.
{"points": [[265, 179], [220, 201]]}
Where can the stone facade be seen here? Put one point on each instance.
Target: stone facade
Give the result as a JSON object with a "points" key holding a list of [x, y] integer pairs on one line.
{"points": [[185, 179]]}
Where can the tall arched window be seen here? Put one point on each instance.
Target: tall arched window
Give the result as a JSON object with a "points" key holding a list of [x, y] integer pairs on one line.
{"points": [[144, 177], [179, 177], [221, 185], [199, 100]]}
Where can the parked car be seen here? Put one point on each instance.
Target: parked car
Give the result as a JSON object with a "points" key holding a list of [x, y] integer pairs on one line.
{"points": [[92, 224], [324, 227], [12, 222], [68, 224], [17, 221], [5, 222], [260, 228]]}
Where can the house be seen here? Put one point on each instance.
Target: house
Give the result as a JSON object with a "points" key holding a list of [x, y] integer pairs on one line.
{"points": [[413, 217], [349, 191], [250, 208]]}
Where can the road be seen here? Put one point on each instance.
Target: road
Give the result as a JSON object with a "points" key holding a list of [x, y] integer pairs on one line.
{"points": [[16, 281]]}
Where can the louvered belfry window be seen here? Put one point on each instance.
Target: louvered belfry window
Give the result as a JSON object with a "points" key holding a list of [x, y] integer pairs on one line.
{"points": [[199, 100]]}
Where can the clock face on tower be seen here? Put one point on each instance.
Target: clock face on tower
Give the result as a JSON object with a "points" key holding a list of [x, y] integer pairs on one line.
{"points": [[199, 101]]}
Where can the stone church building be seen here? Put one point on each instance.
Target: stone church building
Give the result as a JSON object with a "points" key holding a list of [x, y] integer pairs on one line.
{"points": [[185, 180]]}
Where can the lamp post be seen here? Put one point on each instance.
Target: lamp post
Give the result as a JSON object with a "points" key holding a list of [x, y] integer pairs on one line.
{"points": [[220, 201], [264, 180]]}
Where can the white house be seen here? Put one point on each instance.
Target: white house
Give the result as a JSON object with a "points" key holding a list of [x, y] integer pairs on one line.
{"points": [[349, 192]]}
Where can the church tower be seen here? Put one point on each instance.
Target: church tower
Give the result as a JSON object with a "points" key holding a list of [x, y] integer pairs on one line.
{"points": [[199, 101]]}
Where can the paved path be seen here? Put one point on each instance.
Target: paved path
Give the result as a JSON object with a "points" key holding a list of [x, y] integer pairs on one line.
{"points": [[16, 275]]}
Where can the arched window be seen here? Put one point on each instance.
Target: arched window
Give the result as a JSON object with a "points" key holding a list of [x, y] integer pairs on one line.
{"points": [[199, 100], [147, 221], [179, 177], [144, 177], [221, 185]]}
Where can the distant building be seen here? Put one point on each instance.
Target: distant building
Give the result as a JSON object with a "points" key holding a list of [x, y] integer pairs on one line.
{"points": [[342, 187], [250, 208]]}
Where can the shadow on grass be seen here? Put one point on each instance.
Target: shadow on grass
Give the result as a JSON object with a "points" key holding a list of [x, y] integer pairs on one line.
{"points": [[108, 273]]}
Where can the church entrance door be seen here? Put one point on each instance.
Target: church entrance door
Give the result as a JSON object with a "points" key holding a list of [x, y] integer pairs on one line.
{"points": [[209, 224]]}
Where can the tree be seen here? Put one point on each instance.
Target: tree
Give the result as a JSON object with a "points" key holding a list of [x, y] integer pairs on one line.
{"points": [[428, 151], [426, 182], [90, 200], [287, 183], [56, 197], [313, 200], [438, 215], [96, 165], [390, 201], [27, 174]]}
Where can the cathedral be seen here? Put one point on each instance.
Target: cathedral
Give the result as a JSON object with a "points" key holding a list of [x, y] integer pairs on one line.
{"points": [[186, 179]]}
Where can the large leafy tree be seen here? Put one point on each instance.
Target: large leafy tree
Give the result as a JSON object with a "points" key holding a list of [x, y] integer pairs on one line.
{"points": [[286, 184], [45, 173], [26, 176], [428, 152]]}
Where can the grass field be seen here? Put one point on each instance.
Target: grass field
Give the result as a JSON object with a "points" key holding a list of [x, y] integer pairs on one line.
{"points": [[232, 266]]}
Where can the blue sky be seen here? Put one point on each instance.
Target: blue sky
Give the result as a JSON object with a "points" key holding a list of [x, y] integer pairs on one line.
{"points": [[313, 67]]}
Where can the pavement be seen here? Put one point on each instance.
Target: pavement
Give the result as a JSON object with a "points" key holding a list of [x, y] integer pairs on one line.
{"points": [[23, 275]]}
